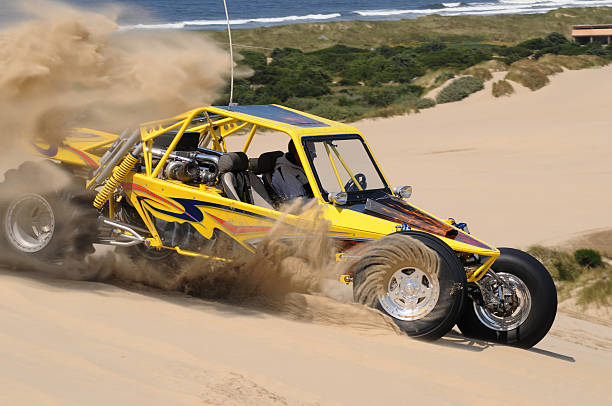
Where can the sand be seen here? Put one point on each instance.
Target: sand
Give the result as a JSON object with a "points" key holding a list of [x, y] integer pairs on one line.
{"points": [[521, 170], [530, 168], [88, 343]]}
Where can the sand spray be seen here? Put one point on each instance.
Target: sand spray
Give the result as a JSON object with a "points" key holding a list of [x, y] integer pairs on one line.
{"points": [[64, 67]]}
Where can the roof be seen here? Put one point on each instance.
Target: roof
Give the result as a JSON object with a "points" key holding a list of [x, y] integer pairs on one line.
{"points": [[591, 26], [278, 114], [284, 118], [592, 30]]}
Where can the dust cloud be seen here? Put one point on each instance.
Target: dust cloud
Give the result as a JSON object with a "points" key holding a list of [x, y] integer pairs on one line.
{"points": [[64, 67], [294, 273]]}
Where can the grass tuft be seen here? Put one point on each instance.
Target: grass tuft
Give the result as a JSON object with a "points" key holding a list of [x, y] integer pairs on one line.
{"points": [[479, 72], [589, 284], [502, 88], [599, 292]]}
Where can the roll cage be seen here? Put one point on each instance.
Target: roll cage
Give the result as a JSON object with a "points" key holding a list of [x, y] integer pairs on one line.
{"points": [[214, 124]]}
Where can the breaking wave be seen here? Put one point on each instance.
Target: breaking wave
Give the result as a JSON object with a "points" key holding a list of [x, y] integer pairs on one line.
{"points": [[256, 21], [501, 7]]}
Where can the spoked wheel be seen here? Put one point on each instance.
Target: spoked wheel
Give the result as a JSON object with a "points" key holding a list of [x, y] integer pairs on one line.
{"points": [[411, 294], [415, 279], [519, 303]]}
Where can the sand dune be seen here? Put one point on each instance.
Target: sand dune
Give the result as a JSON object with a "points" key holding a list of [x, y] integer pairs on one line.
{"points": [[75, 343], [526, 169], [534, 167], [530, 168]]}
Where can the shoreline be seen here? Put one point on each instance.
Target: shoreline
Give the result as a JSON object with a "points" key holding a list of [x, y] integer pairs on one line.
{"points": [[497, 29], [289, 18]]}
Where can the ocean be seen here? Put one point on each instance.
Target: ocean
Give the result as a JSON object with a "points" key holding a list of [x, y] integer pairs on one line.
{"points": [[210, 14]]}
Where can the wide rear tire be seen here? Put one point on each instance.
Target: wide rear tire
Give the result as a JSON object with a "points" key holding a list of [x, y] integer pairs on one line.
{"points": [[45, 215], [539, 303], [415, 279]]}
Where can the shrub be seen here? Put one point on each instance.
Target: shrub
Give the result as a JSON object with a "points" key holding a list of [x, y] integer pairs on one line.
{"points": [[556, 38], [567, 269], [574, 62], [561, 265], [502, 88], [425, 103], [443, 77], [255, 60], [380, 96], [331, 111], [588, 258], [348, 82], [459, 89], [532, 74], [479, 72]]}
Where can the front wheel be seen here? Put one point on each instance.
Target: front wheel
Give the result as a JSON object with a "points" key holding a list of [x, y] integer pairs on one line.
{"points": [[528, 307], [415, 279]]}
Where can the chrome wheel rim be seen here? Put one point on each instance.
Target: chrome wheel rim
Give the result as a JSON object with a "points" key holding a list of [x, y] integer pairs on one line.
{"points": [[30, 223], [411, 294], [516, 315]]}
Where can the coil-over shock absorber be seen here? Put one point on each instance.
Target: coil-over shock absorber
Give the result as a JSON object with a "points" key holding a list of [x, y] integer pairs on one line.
{"points": [[118, 177]]}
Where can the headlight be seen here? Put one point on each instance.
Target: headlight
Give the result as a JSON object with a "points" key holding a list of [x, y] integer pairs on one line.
{"points": [[403, 192]]}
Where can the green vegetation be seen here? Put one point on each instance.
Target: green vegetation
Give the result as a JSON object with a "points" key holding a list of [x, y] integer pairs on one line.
{"points": [[425, 103], [582, 274], [459, 89], [599, 292], [532, 74], [352, 80], [347, 83], [479, 72], [502, 88], [561, 265], [494, 29], [588, 258]]}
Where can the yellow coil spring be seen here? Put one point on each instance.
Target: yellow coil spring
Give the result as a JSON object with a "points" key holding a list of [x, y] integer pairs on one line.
{"points": [[118, 176]]}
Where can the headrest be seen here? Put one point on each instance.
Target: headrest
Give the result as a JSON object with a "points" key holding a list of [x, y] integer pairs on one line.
{"points": [[188, 142], [254, 165], [233, 162], [265, 163]]}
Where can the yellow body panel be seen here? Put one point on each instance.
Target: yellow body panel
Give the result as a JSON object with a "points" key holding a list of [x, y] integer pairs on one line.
{"points": [[205, 208]]}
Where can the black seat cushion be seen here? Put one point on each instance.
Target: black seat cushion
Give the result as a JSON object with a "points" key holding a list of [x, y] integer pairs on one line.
{"points": [[265, 163], [233, 162], [254, 165]]}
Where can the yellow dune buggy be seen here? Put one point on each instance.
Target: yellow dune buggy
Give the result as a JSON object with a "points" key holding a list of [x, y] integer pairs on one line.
{"points": [[172, 187]]}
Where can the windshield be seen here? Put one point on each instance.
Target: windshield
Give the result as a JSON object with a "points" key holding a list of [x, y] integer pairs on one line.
{"points": [[342, 164]]}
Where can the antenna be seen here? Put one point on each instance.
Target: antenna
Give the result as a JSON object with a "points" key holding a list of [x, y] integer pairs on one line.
{"points": [[231, 49]]}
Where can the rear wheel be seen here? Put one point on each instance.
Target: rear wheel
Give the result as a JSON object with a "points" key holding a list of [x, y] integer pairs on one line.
{"points": [[42, 217], [529, 302], [415, 279]]}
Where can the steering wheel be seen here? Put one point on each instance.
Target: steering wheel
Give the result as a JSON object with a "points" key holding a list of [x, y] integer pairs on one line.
{"points": [[352, 187]]}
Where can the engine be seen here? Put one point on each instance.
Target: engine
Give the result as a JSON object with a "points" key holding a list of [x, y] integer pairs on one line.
{"points": [[196, 167]]}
